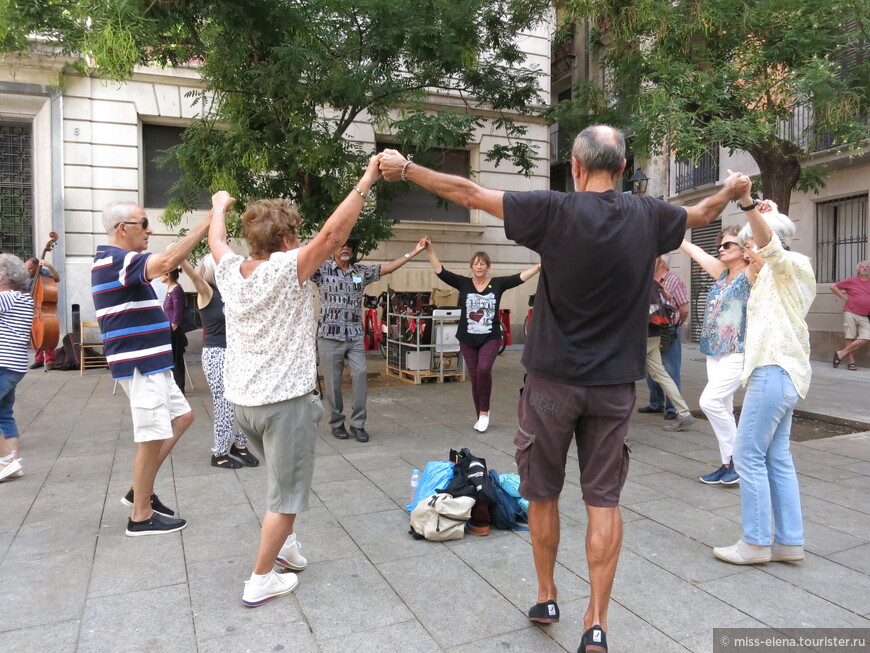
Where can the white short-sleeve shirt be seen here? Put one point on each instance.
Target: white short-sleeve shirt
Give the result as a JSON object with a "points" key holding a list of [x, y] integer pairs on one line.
{"points": [[270, 355]]}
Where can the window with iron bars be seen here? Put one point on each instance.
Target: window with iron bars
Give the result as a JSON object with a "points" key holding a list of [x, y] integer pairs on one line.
{"points": [[841, 237], [16, 189], [705, 170]]}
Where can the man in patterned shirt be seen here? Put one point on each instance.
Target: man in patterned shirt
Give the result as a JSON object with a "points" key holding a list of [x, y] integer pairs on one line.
{"points": [[136, 336], [672, 348], [341, 282]]}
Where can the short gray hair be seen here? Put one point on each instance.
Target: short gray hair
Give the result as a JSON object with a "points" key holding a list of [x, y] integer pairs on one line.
{"points": [[600, 148], [863, 263], [205, 269], [12, 272], [778, 222], [666, 259], [115, 213]]}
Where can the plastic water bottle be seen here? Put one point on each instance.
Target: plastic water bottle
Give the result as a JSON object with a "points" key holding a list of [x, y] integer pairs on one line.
{"points": [[415, 482]]}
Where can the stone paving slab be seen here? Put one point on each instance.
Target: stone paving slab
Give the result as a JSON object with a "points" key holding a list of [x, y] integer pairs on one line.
{"points": [[369, 586]]}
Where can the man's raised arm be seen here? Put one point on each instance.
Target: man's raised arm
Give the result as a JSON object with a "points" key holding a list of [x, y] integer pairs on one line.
{"points": [[459, 190]]}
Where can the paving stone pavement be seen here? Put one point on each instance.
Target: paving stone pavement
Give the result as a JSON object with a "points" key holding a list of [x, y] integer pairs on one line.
{"points": [[73, 582]]}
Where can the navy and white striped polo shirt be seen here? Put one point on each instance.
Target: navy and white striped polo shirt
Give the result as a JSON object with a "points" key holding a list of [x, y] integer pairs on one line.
{"points": [[136, 331], [16, 317]]}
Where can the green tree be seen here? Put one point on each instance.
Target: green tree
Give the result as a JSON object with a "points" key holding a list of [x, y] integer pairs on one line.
{"points": [[685, 73], [285, 80]]}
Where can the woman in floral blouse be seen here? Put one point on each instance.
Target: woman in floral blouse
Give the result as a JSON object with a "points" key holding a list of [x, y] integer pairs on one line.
{"points": [[722, 341], [776, 371], [270, 366]]}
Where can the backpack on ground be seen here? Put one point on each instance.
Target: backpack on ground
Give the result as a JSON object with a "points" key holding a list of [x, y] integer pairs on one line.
{"points": [[470, 478], [66, 357], [441, 517]]}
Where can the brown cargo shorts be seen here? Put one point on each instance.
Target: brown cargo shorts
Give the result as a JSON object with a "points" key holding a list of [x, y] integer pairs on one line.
{"points": [[551, 415]]}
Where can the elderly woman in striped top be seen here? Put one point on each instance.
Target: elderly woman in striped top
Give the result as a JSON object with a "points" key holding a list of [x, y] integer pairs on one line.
{"points": [[16, 316], [776, 371]]}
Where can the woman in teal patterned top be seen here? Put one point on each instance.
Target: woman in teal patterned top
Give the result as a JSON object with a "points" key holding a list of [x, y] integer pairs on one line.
{"points": [[722, 337]]}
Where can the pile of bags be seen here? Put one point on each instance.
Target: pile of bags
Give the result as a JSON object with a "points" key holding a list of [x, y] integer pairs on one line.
{"points": [[461, 491]]}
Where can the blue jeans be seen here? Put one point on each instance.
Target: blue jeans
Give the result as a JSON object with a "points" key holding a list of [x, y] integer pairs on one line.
{"points": [[671, 357], [768, 480], [8, 381]]}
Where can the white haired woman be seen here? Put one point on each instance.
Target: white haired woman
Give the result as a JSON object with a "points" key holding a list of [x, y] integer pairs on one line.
{"points": [[214, 344], [776, 372], [16, 317]]}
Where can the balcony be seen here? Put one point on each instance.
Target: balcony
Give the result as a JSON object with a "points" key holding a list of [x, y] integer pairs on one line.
{"points": [[563, 56], [799, 130], [698, 173]]}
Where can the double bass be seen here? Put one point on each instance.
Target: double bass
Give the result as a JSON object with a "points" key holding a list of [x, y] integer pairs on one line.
{"points": [[45, 330]]}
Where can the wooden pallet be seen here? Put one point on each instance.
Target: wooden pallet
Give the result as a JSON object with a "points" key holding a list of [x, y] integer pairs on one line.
{"points": [[410, 376]]}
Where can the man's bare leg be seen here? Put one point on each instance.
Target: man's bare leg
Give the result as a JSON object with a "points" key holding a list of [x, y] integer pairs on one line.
{"points": [[851, 347], [144, 470], [276, 527], [544, 529], [179, 425], [603, 543], [148, 462]]}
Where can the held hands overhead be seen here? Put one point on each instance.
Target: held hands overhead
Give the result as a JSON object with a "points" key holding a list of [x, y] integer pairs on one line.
{"points": [[391, 164], [739, 186]]}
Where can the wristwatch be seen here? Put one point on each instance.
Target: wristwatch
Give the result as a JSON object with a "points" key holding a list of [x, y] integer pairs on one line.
{"points": [[407, 256]]}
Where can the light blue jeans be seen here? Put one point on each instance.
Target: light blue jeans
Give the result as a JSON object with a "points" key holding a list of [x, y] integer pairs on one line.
{"points": [[768, 481], [8, 380]]}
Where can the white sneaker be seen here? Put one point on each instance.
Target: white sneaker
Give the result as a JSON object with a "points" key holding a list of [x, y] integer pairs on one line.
{"points": [[482, 423], [274, 585], [742, 553], [10, 467], [290, 555]]}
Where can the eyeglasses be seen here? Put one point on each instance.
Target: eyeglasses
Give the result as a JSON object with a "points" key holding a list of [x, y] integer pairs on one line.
{"points": [[142, 223], [728, 244]]}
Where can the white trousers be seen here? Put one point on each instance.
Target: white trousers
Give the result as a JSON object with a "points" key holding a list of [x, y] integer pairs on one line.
{"points": [[717, 400]]}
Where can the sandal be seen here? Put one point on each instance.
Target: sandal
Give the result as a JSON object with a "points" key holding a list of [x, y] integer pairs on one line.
{"points": [[594, 640], [225, 461], [836, 361], [852, 367], [545, 613], [245, 456]]}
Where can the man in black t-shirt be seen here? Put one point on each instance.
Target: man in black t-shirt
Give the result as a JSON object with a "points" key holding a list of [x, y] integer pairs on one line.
{"points": [[587, 343]]}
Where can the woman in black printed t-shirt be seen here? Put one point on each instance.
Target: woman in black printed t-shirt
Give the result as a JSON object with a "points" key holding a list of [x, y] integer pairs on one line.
{"points": [[479, 331]]}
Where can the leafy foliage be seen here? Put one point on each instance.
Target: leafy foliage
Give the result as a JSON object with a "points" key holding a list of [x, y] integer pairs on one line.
{"points": [[285, 82], [685, 73]]}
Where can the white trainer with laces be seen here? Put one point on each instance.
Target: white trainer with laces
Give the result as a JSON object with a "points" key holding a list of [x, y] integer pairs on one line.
{"points": [[290, 555], [482, 423], [260, 590]]}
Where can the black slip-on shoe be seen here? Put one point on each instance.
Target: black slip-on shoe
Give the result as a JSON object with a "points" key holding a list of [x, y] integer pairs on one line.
{"points": [[544, 613], [360, 434], [340, 432], [594, 640]]}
